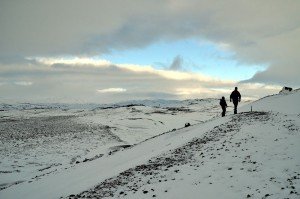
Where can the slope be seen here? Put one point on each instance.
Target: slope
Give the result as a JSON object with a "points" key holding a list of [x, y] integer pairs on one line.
{"points": [[254, 154], [283, 103]]}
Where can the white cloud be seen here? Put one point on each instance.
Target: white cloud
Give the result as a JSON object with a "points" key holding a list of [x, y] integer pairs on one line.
{"points": [[75, 61], [191, 91], [76, 83], [92, 62], [255, 86], [222, 90], [23, 83], [112, 90], [224, 46]]}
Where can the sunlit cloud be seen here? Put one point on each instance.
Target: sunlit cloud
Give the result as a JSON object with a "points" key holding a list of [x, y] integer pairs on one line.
{"points": [[95, 62], [196, 91], [187, 91], [168, 74], [112, 90], [77, 61], [114, 83], [224, 46], [213, 87], [18, 83], [23, 83], [221, 90], [254, 86]]}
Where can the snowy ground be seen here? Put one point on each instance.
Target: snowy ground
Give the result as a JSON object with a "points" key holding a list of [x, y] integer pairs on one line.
{"points": [[39, 139], [228, 160], [248, 155]]}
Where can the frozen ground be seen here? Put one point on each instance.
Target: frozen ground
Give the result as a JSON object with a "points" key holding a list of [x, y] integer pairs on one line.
{"points": [[33, 147], [39, 139], [227, 161], [248, 155]]}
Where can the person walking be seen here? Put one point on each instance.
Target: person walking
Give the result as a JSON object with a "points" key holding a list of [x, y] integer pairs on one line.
{"points": [[235, 97], [223, 104]]}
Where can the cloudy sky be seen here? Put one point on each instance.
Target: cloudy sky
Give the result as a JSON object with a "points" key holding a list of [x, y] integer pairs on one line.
{"points": [[110, 51]]}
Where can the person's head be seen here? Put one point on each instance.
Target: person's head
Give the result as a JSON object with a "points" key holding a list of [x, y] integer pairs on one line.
{"points": [[223, 98], [236, 88]]}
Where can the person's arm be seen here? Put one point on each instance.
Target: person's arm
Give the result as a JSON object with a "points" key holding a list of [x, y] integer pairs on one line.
{"points": [[230, 97], [240, 97]]}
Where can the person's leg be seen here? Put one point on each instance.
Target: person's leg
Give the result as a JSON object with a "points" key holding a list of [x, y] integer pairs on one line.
{"points": [[224, 111], [235, 108]]}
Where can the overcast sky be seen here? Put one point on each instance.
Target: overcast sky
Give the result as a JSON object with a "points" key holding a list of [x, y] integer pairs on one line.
{"points": [[109, 51]]}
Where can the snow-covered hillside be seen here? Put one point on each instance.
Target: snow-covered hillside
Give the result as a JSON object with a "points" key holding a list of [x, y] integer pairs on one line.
{"points": [[284, 103], [249, 155], [39, 139]]}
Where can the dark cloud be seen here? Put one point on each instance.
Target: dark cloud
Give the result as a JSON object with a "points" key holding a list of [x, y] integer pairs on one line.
{"points": [[177, 63], [278, 74]]}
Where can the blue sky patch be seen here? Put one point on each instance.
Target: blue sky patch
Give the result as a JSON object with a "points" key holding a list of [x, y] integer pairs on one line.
{"points": [[196, 56]]}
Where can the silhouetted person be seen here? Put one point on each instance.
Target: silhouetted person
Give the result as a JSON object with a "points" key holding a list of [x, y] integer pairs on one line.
{"points": [[223, 104], [235, 97]]}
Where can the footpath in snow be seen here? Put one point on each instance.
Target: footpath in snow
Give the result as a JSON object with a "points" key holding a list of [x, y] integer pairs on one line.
{"points": [[248, 155]]}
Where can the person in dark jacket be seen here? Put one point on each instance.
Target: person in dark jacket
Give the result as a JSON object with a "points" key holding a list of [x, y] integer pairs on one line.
{"points": [[223, 104], [235, 97]]}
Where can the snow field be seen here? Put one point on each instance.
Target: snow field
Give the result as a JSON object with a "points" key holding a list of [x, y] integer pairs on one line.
{"points": [[39, 140], [230, 161], [248, 155]]}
